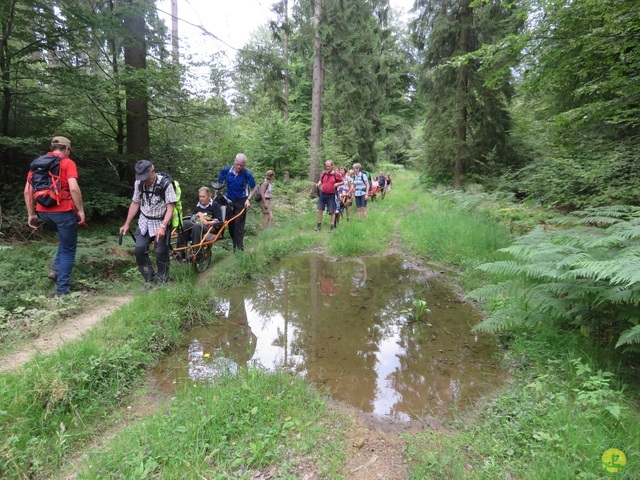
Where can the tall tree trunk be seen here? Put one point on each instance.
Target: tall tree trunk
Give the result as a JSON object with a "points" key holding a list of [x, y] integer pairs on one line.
{"points": [[5, 67], [315, 166], [175, 46], [460, 163], [286, 59], [459, 167], [135, 60]]}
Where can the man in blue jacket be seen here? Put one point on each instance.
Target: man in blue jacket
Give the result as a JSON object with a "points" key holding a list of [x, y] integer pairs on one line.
{"points": [[240, 189]]}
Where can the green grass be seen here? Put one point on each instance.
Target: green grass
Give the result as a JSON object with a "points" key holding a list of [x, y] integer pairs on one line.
{"points": [[444, 232], [232, 428]]}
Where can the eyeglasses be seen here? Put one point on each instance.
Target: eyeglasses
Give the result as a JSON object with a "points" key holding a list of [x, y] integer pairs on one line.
{"points": [[239, 164]]}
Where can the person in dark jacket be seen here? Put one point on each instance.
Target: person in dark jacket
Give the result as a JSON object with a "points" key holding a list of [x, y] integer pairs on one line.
{"points": [[241, 187], [206, 214]]}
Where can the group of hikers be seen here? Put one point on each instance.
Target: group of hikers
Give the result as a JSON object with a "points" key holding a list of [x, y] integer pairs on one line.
{"points": [[338, 188], [52, 195]]}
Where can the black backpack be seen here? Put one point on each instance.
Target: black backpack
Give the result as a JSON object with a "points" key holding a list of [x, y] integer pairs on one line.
{"points": [[160, 189], [258, 195], [45, 180]]}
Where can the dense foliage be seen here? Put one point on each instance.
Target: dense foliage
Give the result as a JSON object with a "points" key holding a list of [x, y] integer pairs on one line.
{"points": [[586, 277]]}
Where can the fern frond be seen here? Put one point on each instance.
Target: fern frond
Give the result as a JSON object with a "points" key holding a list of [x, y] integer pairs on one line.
{"points": [[501, 320], [508, 289], [543, 271], [572, 259], [540, 300], [632, 335], [503, 268], [619, 294]]}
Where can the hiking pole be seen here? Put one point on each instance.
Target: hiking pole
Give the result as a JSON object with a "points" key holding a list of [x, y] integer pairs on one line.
{"points": [[122, 235]]}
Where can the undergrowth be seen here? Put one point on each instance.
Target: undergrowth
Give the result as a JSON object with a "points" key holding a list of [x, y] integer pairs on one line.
{"points": [[585, 277]]}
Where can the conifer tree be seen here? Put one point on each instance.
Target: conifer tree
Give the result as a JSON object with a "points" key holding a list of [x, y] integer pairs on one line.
{"points": [[466, 118]]}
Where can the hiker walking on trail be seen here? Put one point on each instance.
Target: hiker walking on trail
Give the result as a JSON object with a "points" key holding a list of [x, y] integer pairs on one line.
{"points": [[155, 198], [240, 189], [265, 191], [382, 184], [361, 193], [329, 181], [52, 193]]}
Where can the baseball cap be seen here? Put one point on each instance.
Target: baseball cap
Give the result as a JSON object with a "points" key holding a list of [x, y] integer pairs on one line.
{"points": [[143, 169], [64, 141]]}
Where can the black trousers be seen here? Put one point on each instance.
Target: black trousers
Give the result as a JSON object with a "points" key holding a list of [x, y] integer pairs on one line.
{"points": [[236, 228], [144, 262]]}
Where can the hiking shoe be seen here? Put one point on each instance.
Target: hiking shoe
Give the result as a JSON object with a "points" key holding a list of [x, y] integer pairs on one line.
{"points": [[317, 229], [331, 228], [53, 275]]}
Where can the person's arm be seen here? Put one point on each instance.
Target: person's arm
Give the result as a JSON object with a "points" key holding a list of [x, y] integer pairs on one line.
{"points": [[166, 222], [217, 213], [32, 218], [339, 181], [222, 175], [134, 208], [252, 191], [366, 182], [76, 195]]}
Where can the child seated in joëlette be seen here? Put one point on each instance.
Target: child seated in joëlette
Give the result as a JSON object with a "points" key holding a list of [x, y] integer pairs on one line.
{"points": [[206, 219]]}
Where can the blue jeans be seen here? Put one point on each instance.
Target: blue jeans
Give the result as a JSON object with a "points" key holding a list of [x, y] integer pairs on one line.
{"points": [[65, 225]]}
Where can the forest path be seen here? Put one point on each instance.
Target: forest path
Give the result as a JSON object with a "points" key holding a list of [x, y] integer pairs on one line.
{"points": [[70, 330]]}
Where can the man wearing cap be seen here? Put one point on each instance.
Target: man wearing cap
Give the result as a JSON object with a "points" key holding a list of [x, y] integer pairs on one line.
{"points": [[241, 187], [63, 217], [155, 198]]}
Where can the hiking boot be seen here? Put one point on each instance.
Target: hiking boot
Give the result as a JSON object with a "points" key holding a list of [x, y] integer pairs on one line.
{"points": [[53, 275], [331, 228], [317, 229]]}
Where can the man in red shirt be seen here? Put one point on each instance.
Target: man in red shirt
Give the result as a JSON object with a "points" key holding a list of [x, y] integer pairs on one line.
{"points": [[329, 181], [63, 217]]}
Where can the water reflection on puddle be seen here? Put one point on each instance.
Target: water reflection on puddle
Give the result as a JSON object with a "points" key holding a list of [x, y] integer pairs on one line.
{"points": [[341, 324]]}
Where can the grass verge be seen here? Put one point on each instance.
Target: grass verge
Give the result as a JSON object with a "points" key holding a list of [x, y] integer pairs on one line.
{"points": [[234, 428]]}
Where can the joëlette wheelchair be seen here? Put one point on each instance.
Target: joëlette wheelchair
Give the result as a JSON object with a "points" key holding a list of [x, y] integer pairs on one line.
{"points": [[198, 252]]}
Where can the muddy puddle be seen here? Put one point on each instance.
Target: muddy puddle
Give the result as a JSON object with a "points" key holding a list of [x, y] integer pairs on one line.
{"points": [[345, 325]]}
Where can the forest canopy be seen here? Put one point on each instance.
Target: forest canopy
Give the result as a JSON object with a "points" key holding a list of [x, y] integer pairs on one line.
{"points": [[539, 98]]}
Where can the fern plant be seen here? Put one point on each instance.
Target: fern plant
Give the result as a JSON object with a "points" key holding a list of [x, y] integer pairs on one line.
{"points": [[582, 273]]}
